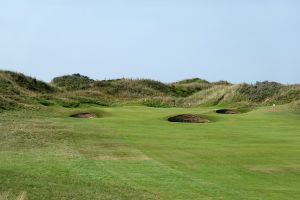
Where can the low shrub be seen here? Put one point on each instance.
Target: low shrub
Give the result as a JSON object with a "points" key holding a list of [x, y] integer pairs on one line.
{"points": [[73, 82]]}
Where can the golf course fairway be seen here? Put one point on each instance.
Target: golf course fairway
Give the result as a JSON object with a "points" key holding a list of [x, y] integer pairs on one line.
{"points": [[134, 152]]}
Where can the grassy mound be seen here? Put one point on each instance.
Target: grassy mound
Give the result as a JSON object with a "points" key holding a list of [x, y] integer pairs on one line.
{"points": [[18, 90], [26, 82], [261, 93]]}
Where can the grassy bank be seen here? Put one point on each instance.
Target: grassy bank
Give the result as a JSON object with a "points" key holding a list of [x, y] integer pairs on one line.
{"points": [[18, 91]]}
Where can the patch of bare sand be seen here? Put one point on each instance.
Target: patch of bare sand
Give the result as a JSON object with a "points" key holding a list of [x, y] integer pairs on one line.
{"points": [[84, 115], [188, 118]]}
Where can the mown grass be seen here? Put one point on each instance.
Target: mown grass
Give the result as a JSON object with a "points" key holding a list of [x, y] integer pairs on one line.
{"points": [[132, 152]]}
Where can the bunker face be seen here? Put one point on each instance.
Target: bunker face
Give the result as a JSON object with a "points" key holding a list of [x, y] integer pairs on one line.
{"points": [[188, 118], [84, 115], [227, 111]]}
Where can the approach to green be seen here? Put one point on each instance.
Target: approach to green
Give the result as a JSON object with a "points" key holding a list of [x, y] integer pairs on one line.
{"points": [[134, 152]]}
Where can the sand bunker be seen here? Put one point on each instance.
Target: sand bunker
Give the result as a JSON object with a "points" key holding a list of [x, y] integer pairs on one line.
{"points": [[188, 118], [84, 115], [227, 111]]}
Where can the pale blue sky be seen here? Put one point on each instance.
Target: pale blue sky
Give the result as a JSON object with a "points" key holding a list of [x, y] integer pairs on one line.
{"points": [[167, 40]]}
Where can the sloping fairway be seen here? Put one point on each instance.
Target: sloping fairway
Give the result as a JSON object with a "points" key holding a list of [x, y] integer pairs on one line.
{"points": [[135, 153]]}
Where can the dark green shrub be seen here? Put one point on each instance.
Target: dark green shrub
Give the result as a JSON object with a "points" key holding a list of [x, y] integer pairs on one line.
{"points": [[73, 82], [129, 88], [156, 85], [193, 80]]}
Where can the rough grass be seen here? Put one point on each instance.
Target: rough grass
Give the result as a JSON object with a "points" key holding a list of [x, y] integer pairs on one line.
{"points": [[25, 82], [133, 152], [19, 91]]}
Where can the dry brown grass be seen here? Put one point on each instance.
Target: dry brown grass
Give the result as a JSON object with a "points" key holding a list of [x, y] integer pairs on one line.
{"points": [[7, 196], [21, 196]]}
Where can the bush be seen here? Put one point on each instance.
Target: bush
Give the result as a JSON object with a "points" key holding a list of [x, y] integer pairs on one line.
{"points": [[193, 80], [73, 82], [129, 88]]}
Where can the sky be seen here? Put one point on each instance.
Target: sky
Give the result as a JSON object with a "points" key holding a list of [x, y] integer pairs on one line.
{"points": [[166, 40]]}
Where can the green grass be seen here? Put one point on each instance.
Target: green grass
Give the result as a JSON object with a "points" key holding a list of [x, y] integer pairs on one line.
{"points": [[132, 152]]}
